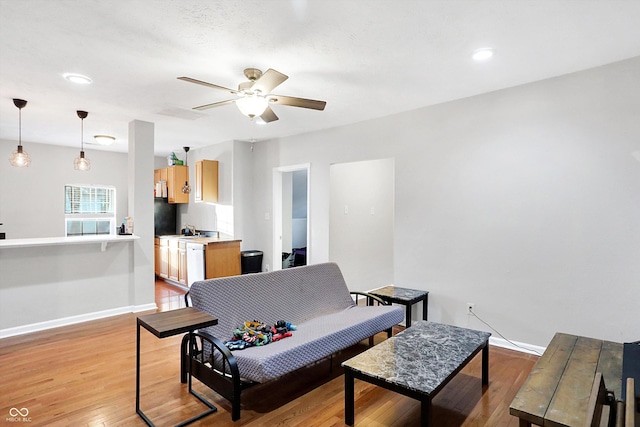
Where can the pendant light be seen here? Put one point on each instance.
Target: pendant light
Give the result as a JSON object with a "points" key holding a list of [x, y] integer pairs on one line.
{"points": [[186, 188], [20, 158], [81, 163]]}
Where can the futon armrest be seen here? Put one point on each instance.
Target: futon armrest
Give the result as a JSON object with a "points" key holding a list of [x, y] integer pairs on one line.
{"points": [[370, 298], [218, 370], [219, 345], [228, 362]]}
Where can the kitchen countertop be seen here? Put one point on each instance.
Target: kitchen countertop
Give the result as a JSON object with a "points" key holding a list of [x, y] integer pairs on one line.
{"points": [[198, 239], [102, 239]]}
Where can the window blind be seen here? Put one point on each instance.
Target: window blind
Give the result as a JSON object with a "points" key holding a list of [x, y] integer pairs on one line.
{"points": [[89, 200]]}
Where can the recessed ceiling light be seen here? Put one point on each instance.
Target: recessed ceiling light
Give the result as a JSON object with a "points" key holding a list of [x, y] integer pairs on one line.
{"points": [[103, 139], [77, 78], [482, 54]]}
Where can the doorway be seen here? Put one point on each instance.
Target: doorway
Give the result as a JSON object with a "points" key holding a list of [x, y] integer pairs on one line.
{"points": [[290, 216]]}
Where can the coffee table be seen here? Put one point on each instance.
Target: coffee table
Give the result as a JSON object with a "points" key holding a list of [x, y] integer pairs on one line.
{"points": [[418, 362], [406, 297]]}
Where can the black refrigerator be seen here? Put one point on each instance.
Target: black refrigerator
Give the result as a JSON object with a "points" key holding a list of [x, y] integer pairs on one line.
{"points": [[164, 217]]}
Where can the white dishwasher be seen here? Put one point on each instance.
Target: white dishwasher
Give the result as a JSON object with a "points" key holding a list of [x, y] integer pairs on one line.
{"points": [[195, 262]]}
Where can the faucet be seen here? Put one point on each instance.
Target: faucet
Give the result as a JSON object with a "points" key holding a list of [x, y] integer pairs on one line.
{"points": [[189, 230]]}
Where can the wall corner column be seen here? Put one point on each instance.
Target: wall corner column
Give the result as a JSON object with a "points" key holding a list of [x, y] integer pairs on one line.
{"points": [[140, 208]]}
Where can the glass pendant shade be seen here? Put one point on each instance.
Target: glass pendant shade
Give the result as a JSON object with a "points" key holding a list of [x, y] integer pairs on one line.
{"points": [[81, 163], [252, 105], [20, 158]]}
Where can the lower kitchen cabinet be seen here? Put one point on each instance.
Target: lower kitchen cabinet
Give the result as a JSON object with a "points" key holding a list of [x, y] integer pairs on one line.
{"points": [[182, 263], [174, 260], [171, 260], [162, 258], [222, 259]]}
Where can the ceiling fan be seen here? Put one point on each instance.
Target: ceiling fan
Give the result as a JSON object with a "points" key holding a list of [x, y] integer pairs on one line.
{"points": [[254, 96]]}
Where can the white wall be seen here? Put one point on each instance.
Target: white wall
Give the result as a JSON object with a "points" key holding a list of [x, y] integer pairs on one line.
{"points": [[525, 201], [32, 198], [48, 286], [361, 222]]}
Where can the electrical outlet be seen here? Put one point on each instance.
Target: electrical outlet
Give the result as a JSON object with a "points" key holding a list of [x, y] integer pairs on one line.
{"points": [[470, 307]]}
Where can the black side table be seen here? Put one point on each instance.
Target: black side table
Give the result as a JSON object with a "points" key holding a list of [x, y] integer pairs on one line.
{"points": [[406, 297], [166, 324]]}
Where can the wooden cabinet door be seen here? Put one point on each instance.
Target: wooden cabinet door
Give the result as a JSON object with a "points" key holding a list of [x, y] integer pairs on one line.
{"points": [[182, 263], [174, 260], [222, 259], [206, 185], [164, 258], [176, 177], [156, 256]]}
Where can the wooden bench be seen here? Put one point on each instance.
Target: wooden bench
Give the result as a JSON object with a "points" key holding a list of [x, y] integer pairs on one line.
{"points": [[558, 390]]}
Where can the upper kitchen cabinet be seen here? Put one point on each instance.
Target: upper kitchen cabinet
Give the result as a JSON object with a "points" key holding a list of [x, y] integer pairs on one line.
{"points": [[175, 177], [206, 181]]}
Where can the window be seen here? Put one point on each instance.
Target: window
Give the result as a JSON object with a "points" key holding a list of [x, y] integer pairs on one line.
{"points": [[89, 209]]}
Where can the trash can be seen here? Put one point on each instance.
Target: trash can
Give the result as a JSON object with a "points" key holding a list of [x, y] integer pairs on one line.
{"points": [[251, 261]]}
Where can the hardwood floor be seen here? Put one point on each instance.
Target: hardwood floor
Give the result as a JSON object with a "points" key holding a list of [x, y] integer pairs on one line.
{"points": [[85, 375]]}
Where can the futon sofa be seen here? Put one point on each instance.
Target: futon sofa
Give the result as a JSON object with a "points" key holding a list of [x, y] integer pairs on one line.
{"points": [[314, 298]]}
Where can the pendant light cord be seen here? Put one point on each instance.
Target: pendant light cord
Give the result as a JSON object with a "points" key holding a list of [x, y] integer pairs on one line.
{"points": [[20, 127], [81, 134]]}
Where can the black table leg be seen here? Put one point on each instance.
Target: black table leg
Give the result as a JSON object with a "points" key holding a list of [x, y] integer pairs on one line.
{"points": [[485, 364], [425, 416], [425, 307], [138, 410], [349, 403], [408, 321]]}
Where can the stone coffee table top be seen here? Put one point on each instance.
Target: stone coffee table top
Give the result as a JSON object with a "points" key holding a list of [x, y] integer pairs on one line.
{"points": [[420, 358]]}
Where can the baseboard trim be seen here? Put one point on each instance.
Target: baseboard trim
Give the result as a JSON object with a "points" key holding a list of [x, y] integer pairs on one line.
{"points": [[517, 346], [72, 320]]}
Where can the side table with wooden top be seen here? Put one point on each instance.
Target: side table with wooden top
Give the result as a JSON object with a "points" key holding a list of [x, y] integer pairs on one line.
{"points": [[169, 323]]}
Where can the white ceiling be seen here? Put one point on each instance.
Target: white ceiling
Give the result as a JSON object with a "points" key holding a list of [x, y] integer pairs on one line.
{"points": [[367, 59]]}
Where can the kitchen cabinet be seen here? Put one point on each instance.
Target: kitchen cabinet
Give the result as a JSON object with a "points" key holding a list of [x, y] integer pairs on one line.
{"points": [[206, 185], [156, 256], [162, 263], [174, 260], [175, 177], [171, 260], [222, 259], [182, 263]]}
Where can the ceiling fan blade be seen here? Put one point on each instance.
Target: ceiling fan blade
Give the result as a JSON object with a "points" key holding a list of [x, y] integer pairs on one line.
{"points": [[215, 104], [269, 81], [269, 115], [297, 102], [211, 85]]}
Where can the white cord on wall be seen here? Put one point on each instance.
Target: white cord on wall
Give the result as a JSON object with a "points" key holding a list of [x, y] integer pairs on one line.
{"points": [[502, 336]]}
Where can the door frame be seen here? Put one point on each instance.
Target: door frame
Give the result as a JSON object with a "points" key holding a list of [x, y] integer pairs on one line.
{"points": [[277, 211]]}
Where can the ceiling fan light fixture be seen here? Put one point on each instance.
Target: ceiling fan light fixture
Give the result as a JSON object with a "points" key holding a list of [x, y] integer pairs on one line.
{"points": [[20, 158], [81, 163], [103, 139], [252, 105]]}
